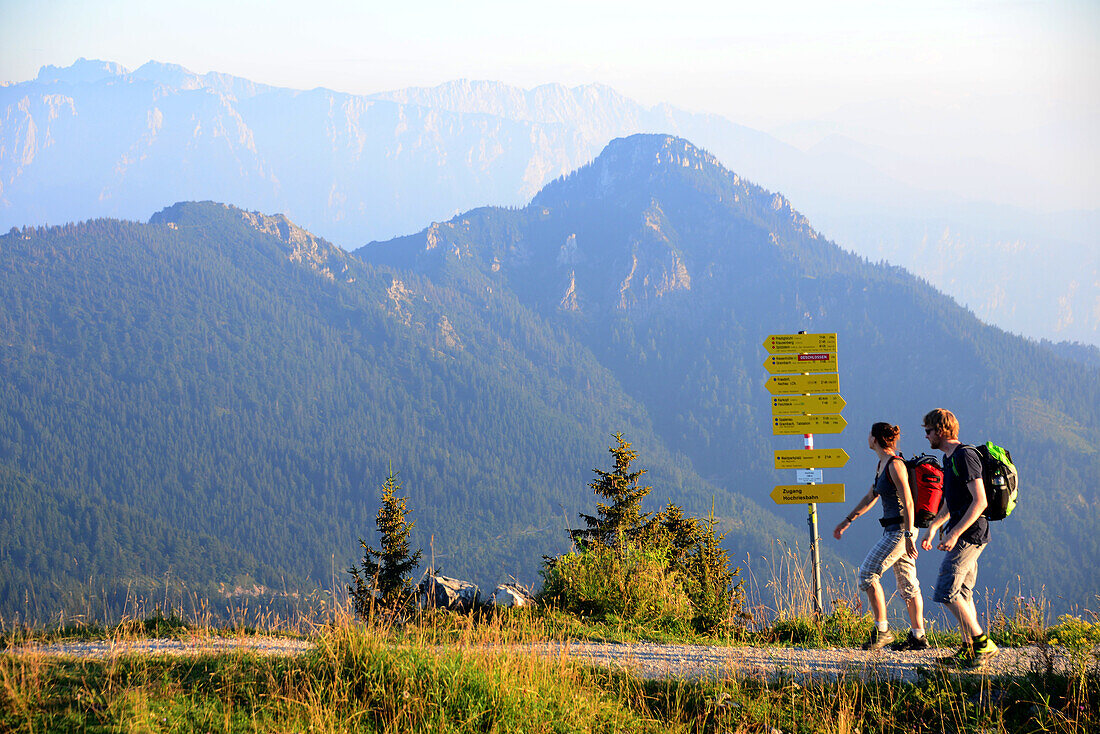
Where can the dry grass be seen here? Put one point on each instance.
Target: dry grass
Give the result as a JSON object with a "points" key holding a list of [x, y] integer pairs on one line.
{"points": [[452, 673]]}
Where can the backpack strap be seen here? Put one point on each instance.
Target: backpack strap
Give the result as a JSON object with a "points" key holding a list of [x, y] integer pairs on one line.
{"points": [[887, 470], [954, 468], [904, 471]]}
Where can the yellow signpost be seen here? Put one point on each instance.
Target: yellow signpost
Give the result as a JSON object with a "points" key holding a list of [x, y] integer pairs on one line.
{"points": [[795, 494], [785, 364], [787, 343], [811, 459], [801, 384], [799, 404], [790, 425], [804, 366]]}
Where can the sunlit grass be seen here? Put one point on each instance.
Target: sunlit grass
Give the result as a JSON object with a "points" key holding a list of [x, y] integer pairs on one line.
{"points": [[501, 672], [456, 676]]}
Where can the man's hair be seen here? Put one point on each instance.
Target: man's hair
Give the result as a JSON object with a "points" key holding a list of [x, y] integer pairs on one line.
{"points": [[943, 421]]}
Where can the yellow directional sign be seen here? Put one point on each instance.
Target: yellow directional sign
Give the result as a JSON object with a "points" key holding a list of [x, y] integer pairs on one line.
{"points": [[798, 404], [789, 425], [811, 459], [795, 363], [785, 343], [793, 494], [798, 384]]}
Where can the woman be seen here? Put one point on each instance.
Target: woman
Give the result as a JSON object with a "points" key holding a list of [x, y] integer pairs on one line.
{"points": [[898, 547]]}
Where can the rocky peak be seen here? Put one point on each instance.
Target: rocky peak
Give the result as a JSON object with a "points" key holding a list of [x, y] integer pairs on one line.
{"points": [[81, 71], [627, 162], [174, 76], [650, 155], [548, 103], [301, 246], [168, 75], [304, 247]]}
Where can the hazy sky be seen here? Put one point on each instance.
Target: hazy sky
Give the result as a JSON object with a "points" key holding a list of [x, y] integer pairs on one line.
{"points": [[978, 94]]}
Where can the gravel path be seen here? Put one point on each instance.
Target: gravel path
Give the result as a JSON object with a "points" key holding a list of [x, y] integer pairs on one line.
{"points": [[648, 660], [204, 645], [695, 661]]}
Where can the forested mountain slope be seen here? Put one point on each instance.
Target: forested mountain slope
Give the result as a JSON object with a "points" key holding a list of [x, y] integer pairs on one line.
{"points": [[212, 399]]}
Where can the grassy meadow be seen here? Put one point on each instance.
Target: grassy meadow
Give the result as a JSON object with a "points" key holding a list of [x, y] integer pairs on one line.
{"points": [[443, 672]]}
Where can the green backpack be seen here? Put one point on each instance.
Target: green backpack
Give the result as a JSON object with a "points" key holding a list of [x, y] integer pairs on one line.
{"points": [[999, 477]]}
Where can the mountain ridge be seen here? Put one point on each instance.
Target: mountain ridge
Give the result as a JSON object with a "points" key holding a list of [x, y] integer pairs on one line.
{"points": [[354, 168]]}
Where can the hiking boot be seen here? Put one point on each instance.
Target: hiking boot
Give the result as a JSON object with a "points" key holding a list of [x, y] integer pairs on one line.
{"points": [[911, 642], [973, 656], [958, 659], [984, 649], [878, 640]]}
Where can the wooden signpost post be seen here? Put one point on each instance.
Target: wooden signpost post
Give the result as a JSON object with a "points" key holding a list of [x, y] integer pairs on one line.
{"points": [[806, 386]]}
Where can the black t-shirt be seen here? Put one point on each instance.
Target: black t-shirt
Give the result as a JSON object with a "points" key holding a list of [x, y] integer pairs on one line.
{"points": [[963, 466]]}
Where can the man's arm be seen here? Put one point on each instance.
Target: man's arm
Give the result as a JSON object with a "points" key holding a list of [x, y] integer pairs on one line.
{"points": [[978, 503], [937, 521]]}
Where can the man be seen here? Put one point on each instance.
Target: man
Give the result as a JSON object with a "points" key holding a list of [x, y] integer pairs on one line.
{"points": [[964, 538]]}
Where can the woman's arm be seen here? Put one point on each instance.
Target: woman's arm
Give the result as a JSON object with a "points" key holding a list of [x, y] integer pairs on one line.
{"points": [[861, 507]]}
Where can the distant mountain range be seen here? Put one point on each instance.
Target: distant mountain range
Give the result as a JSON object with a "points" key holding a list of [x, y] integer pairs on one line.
{"points": [[212, 398], [95, 139]]}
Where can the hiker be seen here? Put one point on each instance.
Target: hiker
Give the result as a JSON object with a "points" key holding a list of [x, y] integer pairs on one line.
{"points": [[898, 546], [964, 537]]}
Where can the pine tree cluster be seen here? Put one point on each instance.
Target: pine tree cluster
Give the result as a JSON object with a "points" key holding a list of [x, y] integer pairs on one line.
{"points": [[687, 550]]}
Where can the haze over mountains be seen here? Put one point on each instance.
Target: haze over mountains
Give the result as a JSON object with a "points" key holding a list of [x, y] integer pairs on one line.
{"points": [[214, 396], [95, 140]]}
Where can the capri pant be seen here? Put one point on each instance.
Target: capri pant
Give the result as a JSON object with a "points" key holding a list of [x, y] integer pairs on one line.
{"points": [[890, 551]]}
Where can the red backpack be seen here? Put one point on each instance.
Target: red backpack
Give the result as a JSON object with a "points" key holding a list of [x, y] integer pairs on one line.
{"points": [[926, 484]]}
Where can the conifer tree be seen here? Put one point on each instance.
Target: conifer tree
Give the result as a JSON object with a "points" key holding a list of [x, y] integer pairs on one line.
{"points": [[383, 574], [622, 518]]}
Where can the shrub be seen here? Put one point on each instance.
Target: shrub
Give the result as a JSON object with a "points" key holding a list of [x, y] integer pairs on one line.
{"points": [[693, 552], [667, 569], [628, 582]]}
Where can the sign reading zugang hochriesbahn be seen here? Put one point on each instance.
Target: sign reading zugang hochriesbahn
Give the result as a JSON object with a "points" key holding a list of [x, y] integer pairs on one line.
{"points": [[797, 494], [805, 385]]}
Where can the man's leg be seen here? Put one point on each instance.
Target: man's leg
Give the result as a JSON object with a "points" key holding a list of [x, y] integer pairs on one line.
{"points": [[962, 606], [954, 589], [967, 615]]}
